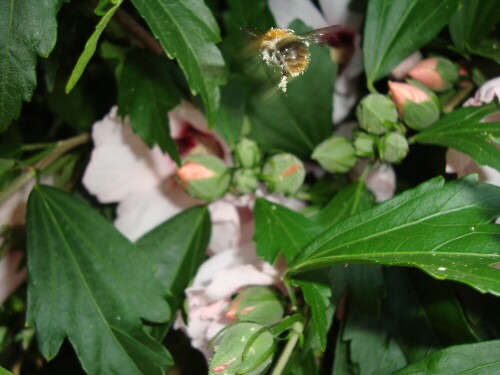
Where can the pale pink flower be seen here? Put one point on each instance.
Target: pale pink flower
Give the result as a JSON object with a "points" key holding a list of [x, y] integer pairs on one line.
{"points": [[346, 39], [488, 92], [402, 69]]}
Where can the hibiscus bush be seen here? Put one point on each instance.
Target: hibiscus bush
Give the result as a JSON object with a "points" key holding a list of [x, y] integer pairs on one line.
{"points": [[175, 201]]}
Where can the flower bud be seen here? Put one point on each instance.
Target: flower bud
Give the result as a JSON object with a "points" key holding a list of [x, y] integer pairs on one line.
{"points": [[335, 154], [417, 107], [204, 176], [376, 114], [364, 144], [435, 73], [232, 356], [393, 147], [245, 180], [259, 304], [283, 173], [247, 153]]}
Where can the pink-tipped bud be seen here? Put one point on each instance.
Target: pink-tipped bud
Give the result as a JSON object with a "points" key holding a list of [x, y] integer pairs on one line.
{"points": [[193, 171], [435, 73], [416, 107]]}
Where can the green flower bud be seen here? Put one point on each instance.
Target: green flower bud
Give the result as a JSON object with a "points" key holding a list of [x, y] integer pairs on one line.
{"points": [[204, 176], [393, 147], [248, 153], [233, 356], [364, 144], [376, 114], [336, 154], [259, 304], [283, 173], [245, 180]]}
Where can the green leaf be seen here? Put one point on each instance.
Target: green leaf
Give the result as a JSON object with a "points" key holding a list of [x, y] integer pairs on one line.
{"points": [[178, 247], [89, 283], [473, 22], [441, 228], [396, 29], [4, 371], [301, 119], [187, 31], [90, 47], [347, 202], [146, 93], [488, 48], [279, 229], [27, 29], [341, 362], [317, 296], [482, 358], [463, 130]]}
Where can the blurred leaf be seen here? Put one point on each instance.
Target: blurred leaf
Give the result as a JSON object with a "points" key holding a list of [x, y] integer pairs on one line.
{"points": [[90, 46], [488, 47], [396, 29], [473, 22], [229, 117], [347, 202], [317, 296], [4, 371], [89, 283], [463, 130], [341, 362], [482, 358], [371, 346], [305, 366], [441, 228], [146, 93], [279, 229], [187, 31], [5, 165], [178, 247], [301, 119], [27, 29]]}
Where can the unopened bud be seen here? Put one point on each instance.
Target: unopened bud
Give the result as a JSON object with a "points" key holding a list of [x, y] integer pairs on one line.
{"points": [[232, 356], [376, 114], [416, 106], [259, 304], [204, 176], [284, 173], [336, 154], [245, 180], [393, 147], [364, 144], [436, 73], [247, 153]]}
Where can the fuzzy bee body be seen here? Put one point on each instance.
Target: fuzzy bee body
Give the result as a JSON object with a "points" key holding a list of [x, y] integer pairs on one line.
{"points": [[287, 50]]}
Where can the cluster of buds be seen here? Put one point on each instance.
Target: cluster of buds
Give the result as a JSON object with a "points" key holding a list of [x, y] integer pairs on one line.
{"points": [[208, 178]]}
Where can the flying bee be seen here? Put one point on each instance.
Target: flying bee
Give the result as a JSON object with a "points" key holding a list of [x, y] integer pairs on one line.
{"points": [[286, 49]]}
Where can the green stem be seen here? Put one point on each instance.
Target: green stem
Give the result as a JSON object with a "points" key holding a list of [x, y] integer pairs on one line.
{"points": [[61, 147], [287, 351], [291, 293], [457, 99]]}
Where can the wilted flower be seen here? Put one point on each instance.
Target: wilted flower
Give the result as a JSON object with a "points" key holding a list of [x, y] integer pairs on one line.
{"points": [[283, 173], [335, 154], [417, 108], [436, 73], [376, 114]]}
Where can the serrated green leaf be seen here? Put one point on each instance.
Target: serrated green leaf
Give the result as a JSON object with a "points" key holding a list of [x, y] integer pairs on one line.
{"points": [[396, 29], [463, 130], [90, 284], [317, 296], [347, 202], [90, 47], [187, 31], [279, 229], [27, 29], [441, 228], [146, 93], [178, 247], [301, 119], [473, 22], [481, 359]]}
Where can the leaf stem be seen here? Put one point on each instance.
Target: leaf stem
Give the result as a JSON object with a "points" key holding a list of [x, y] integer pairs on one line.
{"points": [[291, 293], [298, 327], [60, 148], [455, 100]]}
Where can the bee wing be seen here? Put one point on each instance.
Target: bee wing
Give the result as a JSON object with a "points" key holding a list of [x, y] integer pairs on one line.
{"points": [[319, 36], [251, 33]]}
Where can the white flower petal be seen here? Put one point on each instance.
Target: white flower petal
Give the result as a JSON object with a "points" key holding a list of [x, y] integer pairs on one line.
{"points": [[225, 226], [400, 71], [285, 11], [121, 163], [337, 12], [382, 182], [140, 212]]}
